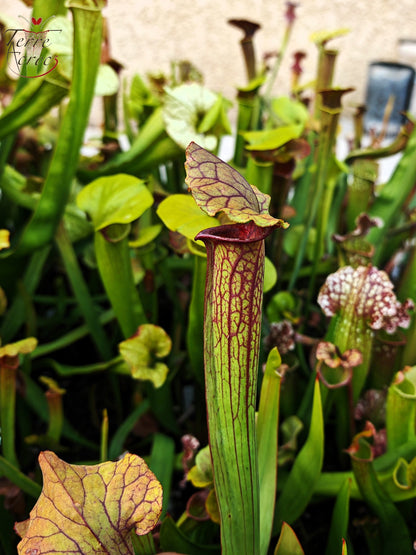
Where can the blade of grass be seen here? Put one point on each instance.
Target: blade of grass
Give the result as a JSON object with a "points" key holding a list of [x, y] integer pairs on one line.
{"points": [[117, 442], [340, 517], [306, 469], [162, 460], [267, 434], [19, 479]]}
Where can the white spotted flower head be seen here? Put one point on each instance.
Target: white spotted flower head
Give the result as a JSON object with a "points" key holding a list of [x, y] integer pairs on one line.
{"points": [[362, 299], [369, 292]]}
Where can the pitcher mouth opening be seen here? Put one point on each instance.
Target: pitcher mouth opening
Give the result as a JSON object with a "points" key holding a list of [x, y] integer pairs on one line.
{"points": [[236, 233]]}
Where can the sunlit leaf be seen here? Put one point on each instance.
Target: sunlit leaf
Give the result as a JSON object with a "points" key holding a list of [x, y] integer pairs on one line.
{"points": [[141, 350], [217, 187], [62, 42], [118, 199], [181, 213], [91, 509], [271, 139]]}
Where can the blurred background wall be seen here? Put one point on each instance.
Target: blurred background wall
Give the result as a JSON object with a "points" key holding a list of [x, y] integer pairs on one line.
{"points": [[147, 35]]}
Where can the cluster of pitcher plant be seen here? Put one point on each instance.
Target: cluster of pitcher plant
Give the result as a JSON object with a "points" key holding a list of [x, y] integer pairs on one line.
{"points": [[199, 356]]}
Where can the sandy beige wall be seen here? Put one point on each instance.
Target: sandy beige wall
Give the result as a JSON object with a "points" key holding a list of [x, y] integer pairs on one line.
{"points": [[146, 35]]}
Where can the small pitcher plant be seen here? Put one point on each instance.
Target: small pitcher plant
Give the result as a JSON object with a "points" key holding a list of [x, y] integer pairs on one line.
{"points": [[233, 298]]}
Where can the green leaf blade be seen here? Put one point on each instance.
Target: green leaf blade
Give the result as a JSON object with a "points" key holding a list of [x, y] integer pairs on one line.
{"points": [[306, 470], [119, 199]]}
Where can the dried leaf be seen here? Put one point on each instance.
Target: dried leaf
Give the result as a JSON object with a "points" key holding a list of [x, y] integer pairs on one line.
{"points": [[91, 509], [217, 187]]}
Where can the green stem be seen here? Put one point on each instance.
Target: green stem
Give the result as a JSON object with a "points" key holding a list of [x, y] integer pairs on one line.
{"points": [[15, 316], [248, 106], [233, 297], [55, 193], [260, 174], [56, 415], [104, 437], [7, 413], [81, 292], [195, 330], [114, 264], [361, 189], [278, 61], [323, 190]]}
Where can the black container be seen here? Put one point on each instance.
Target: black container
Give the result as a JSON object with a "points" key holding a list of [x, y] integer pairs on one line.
{"points": [[386, 79]]}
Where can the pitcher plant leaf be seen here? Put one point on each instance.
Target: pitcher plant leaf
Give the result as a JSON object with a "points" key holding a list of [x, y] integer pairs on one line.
{"points": [[217, 187], [91, 509]]}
